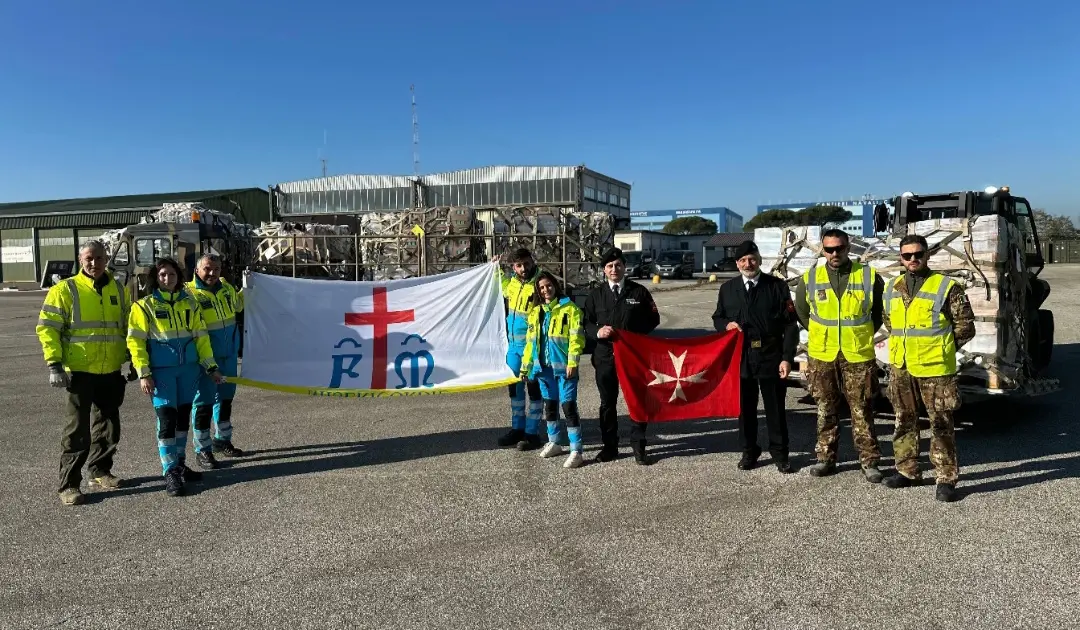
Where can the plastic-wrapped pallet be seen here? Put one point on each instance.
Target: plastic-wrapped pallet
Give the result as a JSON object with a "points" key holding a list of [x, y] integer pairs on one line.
{"points": [[978, 252], [318, 248]]}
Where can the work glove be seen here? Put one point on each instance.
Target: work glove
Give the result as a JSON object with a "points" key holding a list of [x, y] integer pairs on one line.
{"points": [[57, 376]]}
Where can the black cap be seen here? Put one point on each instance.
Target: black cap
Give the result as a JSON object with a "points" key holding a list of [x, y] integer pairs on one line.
{"points": [[748, 247], [610, 255]]}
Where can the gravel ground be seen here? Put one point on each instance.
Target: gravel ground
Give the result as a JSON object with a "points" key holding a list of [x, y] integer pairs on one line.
{"points": [[403, 514]]}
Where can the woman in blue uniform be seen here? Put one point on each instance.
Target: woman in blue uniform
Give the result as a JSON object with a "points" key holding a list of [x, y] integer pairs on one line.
{"points": [[170, 347]]}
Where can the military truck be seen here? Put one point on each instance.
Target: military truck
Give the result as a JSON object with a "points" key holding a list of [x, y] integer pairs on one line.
{"points": [[986, 240]]}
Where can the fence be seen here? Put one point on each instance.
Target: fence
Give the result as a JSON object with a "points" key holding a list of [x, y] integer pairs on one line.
{"points": [[1063, 251]]}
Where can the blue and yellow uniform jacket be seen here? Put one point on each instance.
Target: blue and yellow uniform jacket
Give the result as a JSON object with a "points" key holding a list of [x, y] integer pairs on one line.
{"points": [[166, 330], [555, 338], [219, 307], [517, 294]]}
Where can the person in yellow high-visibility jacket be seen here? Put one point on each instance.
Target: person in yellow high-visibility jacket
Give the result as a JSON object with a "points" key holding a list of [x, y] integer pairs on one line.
{"points": [[81, 329], [553, 347], [220, 303], [928, 317], [170, 349], [839, 304], [517, 291]]}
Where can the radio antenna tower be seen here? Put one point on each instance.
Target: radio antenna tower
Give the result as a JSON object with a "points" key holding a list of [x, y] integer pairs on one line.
{"points": [[415, 135], [322, 154]]}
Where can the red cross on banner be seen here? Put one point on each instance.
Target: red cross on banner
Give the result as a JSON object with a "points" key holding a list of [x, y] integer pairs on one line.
{"points": [[379, 319]]}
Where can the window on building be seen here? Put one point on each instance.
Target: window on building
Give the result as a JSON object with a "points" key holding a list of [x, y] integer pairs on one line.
{"points": [[590, 193]]}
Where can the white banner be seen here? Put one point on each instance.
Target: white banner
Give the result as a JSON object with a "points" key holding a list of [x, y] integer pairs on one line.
{"points": [[429, 335]]}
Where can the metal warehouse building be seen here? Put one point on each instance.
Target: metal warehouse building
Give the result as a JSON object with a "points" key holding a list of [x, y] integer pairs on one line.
{"points": [[34, 232], [655, 220], [574, 186]]}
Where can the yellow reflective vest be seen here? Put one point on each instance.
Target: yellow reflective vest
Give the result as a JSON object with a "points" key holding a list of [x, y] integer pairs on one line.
{"points": [[517, 294], [555, 338], [83, 327], [219, 309], [166, 330], [922, 336], [840, 325]]}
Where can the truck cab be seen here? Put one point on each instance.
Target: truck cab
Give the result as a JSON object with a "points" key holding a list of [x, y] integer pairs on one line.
{"points": [[139, 246], [1039, 322]]}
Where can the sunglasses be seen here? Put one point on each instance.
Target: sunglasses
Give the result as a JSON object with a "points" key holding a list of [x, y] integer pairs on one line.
{"points": [[910, 255], [833, 250]]}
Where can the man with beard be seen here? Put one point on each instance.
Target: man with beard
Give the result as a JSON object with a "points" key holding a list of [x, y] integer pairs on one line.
{"points": [[760, 306], [517, 291], [839, 304], [617, 304], [928, 317]]}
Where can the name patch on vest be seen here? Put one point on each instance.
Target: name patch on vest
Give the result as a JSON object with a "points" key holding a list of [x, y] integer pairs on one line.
{"points": [[206, 304], [113, 300], [161, 314], [632, 301]]}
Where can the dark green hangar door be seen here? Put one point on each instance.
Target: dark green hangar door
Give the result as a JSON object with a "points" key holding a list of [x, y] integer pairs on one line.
{"points": [[17, 255]]}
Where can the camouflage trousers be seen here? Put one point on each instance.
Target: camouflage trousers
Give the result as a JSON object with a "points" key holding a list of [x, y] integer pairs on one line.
{"points": [[941, 398], [857, 382]]}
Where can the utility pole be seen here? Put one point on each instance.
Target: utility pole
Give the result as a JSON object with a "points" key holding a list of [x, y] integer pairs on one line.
{"points": [[415, 134]]}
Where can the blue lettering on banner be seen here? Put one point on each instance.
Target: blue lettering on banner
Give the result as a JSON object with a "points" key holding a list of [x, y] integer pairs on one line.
{"points": [[413, 357], [339, 362]]}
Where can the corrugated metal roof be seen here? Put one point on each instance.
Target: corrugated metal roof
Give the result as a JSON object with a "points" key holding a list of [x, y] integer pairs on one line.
{"points": [[125, 202], [484, 175], [118, 218], [729, 239]]}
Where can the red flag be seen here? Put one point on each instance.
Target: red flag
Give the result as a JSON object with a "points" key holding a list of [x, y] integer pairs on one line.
{"points": [[679, 379]]}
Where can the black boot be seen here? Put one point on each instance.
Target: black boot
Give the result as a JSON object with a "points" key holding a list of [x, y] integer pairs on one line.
{"points": [[174, 482], [225, 447], [640, 455], [530, 442], [749, 460], [897, 481], [512, 437], [946, 492]]}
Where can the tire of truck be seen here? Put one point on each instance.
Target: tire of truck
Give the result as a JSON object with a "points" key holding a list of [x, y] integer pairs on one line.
{"points": [[1045, 348]]}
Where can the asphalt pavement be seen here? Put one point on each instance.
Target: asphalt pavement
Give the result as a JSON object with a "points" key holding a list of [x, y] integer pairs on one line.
{"points": [[402, 513]]}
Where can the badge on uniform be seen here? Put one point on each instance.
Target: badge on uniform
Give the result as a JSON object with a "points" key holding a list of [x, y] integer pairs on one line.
{"points": [[756, 343], [113, 299], [821, 295]]}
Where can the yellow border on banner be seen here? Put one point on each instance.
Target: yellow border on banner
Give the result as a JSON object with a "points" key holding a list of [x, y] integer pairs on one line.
{"points": [[328, 392]]}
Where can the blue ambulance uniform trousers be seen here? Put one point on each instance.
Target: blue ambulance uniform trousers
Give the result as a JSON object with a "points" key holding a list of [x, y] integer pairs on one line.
{"points": [[174, 391], [518, 419], [220, 396], [557, 389]]}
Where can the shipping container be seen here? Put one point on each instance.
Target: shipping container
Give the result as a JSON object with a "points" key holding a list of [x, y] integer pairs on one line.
{"points": [[1065, 251]]}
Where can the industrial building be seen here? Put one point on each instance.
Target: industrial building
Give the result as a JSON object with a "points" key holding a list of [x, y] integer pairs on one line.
{"points": [[573, 186], [862, 212], [35, 232], [708, 249], [655, 220]]}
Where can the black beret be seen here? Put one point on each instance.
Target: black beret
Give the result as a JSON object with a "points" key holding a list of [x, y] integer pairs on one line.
{"points": [[745, 249], [611, 255]]}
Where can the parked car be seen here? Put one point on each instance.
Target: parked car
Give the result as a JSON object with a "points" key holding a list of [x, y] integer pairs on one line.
{"points": [[638, 264], [675, 264], [724, 264]]}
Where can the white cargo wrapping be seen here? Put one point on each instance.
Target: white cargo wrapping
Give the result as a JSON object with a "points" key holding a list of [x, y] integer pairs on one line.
{"points": [[978, 252]]}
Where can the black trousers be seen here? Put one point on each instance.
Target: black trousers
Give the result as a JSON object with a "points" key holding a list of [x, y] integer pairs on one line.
{"points": [[607, 382], [92, 430], [773, 395]]}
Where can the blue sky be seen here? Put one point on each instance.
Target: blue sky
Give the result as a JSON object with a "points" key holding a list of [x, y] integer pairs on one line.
{"points": [[695, 103]]}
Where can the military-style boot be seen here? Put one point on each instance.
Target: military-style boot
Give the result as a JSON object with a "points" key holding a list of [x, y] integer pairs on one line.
{"points": [[823, 469], [512, 437], [946, 492], [639, 453]]}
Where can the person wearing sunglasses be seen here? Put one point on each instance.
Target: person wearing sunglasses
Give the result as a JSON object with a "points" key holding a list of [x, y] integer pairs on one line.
{"points": [[928, 317], [840, 306]]}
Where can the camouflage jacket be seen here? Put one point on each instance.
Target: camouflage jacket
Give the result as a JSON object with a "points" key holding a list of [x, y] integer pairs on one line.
{"points": [[957, 309]]}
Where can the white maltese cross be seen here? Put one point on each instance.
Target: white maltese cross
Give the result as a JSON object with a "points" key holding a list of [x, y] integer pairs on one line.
{"points": [[678, 379]]}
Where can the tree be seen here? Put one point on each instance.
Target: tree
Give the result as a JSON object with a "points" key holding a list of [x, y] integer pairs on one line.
{"points": [[772, 218], [824, 215], [690, 225], [1053, 226]]}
